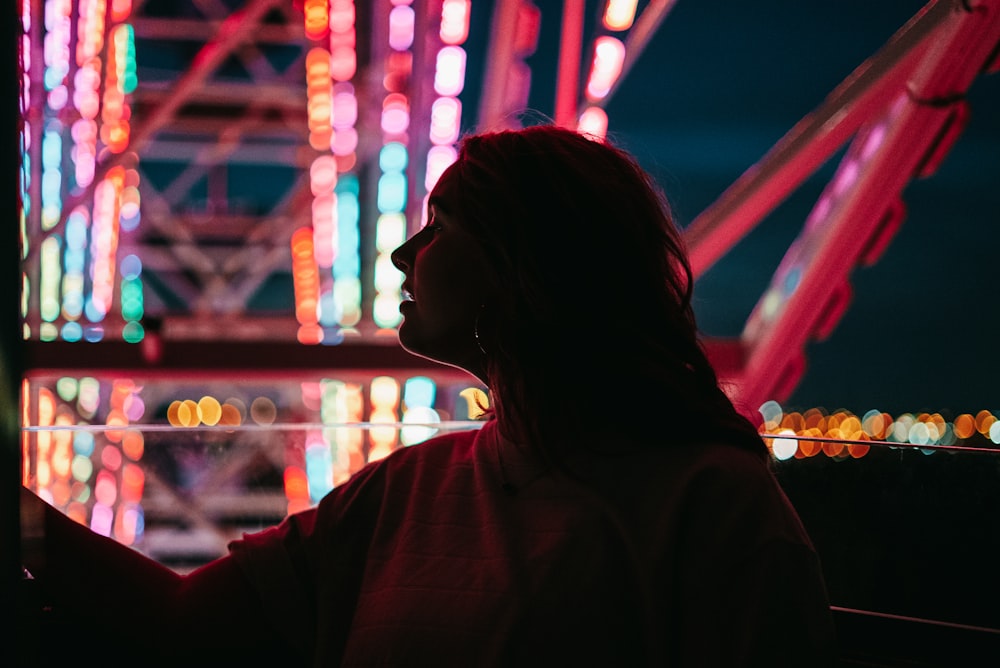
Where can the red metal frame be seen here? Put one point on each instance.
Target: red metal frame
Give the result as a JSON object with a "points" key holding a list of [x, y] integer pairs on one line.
{"points": [[903, 107]]}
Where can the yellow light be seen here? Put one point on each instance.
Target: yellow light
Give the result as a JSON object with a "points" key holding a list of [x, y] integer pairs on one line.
{"points": [[619, 14], [477, 401], [173, 411], [316, 13], [188, 413], [384, 393], [209, 410]]}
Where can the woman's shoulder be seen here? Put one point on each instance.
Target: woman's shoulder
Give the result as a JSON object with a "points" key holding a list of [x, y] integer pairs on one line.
{"points": [[737, 486], [444, 451], [714, 476], [396, 474], [444, 445], [711, 466], [693, 459]]}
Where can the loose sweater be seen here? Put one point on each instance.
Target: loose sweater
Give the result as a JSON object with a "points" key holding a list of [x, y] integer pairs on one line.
{"points": [[464, 550]]}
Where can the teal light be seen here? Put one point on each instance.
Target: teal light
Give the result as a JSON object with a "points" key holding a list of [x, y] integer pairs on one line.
{"points": [[391, 192], [393, 157], [419, 391], [132, 300], [132, 332]]}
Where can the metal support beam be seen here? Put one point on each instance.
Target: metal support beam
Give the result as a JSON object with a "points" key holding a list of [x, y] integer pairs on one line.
{"points": [[570, 53], [858, 212], [804, 148], [236, 29]]}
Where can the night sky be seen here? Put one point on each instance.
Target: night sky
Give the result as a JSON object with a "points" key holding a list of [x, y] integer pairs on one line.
{"points": [[712, 93]]}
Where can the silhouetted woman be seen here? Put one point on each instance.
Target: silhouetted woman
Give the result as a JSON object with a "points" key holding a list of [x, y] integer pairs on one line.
{"points": [[614, 509]]}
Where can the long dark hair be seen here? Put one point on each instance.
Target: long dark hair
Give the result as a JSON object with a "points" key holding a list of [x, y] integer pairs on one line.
{"points": [[599, 298]]}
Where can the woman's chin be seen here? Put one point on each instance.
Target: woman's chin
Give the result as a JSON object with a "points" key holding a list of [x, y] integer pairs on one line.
{"points": [[413, 345]]}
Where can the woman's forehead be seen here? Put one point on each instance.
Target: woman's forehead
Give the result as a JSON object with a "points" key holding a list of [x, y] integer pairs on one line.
{"points": [[446, 190]]}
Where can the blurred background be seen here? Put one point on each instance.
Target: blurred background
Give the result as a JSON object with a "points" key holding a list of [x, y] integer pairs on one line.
{"points": [[209, 190], [216, 143]]}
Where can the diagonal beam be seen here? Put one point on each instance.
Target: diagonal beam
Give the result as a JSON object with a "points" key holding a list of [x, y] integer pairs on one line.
{"points": [[296, 204], [236, 29], [857, 213], [208, 157], [811, 141]]}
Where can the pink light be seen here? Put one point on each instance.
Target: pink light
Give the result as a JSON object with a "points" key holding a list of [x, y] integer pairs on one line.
{"points": [[345, 106], [439, 158], [56, 43], [86, 165], [593, 121], [111, 457], [101, 518], [324, 230], [342, 16], [83, 154], [58, 97], [401, 20], [344, 143], [449, 75], [87, 101], [875, 137], [454, 21], [84, 131], [846, 178], [106, 489], [323, 175], [343, 62], [395, 114], [609, 56], [104, 239], [446, 115]]}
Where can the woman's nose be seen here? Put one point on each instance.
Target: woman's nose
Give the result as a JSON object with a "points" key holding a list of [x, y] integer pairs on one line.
{"points": [[397, 259]]}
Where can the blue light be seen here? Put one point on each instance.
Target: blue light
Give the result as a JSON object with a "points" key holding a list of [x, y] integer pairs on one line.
{"points": [[131, 267], [93, 333], [72, 332]]}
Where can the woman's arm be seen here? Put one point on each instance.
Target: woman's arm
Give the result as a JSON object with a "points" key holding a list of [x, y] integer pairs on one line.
{"points": [[81, 571], [96, 588]]}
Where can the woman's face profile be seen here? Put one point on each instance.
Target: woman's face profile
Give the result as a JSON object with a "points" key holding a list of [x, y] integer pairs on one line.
{"points": [[444, 284]]}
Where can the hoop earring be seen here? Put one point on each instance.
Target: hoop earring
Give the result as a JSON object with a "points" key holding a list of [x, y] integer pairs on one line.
{"points": [[475, 330]]}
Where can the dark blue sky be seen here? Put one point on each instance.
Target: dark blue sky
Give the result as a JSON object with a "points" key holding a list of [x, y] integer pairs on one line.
{"points": [[717, 86]]}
